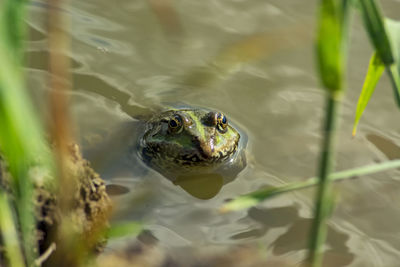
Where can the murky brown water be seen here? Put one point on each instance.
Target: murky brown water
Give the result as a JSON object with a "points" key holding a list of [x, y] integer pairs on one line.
{"points": [[253, 60]]}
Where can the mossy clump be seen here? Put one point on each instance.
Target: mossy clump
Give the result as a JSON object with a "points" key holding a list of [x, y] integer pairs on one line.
{"points": [[88, 210]]}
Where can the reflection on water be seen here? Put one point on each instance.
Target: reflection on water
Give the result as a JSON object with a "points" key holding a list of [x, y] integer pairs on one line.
{"points": [[115, 189], [39, 60], [253, 61], [201, 186], [386, 146], [167, 15], [100, 87], [295, 236]]}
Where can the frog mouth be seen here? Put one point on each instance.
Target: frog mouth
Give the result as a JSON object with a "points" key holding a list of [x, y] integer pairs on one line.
{"points": [[206, 157], [208, 150]]}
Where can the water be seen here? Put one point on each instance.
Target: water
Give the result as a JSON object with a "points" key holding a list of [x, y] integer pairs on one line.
{"points": [[252, 60]]}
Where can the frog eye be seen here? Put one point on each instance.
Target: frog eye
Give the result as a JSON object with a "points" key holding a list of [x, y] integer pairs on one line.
{"points": [[175, 123], [222, 122]]}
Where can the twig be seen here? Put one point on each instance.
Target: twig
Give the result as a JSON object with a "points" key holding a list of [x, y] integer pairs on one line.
{"points": [[39, 261]]}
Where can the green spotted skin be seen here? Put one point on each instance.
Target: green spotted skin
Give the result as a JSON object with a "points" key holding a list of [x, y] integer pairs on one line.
{"points": [[188, 140]]}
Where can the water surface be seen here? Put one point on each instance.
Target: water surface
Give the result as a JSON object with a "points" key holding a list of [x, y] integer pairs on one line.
{"points": [[252, 60]]}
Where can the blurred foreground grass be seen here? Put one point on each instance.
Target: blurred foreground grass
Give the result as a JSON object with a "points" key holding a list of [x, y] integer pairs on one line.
{"points": [[21, 139], [50, 182]]}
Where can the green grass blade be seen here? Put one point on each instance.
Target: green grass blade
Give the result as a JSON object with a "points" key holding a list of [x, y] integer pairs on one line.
{"points": [[21, 140], [393, 70], [375, 70], [393, 31], [379, 36], [331, 55], [329, 45], [124, 229], [254, 198], [375, 26], [9, 233]]}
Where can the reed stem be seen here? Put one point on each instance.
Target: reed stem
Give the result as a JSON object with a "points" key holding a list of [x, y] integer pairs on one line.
{"points": [[324, 195]]}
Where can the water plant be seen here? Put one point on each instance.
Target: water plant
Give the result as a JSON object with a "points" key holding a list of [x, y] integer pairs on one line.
{"points": [[23, 152]]}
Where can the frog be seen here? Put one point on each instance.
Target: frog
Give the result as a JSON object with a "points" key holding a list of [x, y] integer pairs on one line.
{"points": [[190, 142], [196, 148]]}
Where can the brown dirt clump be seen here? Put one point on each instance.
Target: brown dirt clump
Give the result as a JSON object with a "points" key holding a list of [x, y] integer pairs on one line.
{"points": [[87, 213]]}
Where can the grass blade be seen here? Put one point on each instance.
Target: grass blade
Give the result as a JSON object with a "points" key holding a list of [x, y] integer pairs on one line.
{"points": [[329, 45], [375, 70], [331, 56], [21, 141], [376, 27], [9, 233], [254, 198], [393, 70], [124, 229]]}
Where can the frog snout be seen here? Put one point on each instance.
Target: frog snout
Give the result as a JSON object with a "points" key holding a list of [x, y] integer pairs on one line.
{"points": [[206, 147]]}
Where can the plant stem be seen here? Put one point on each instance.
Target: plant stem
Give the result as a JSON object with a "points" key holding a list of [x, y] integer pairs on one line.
{"points": [[393, 73], [252, 199], [20, 150], [9, 233], [324, 195]]}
